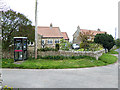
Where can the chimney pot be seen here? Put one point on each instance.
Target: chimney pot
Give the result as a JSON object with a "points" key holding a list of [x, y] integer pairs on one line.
{"points": [[51, 25]]}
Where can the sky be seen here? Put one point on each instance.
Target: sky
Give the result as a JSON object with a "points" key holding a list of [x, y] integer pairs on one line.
{"points": [[68, 14]]}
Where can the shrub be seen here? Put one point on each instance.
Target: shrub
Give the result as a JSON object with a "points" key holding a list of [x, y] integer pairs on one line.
{"points": [[90, 42], [106, 40], [80, 49], [64, 45], [95, 47], [117, 42], [84, 45], [65, 57], [81, 45], [47, 49], [91, 47], [52, 57]]}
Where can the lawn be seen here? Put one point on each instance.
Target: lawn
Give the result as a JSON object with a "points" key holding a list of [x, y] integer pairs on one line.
{"points": [[77, 62], [113, 52]]}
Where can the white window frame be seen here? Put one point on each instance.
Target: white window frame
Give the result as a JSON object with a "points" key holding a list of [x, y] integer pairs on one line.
{"points": [[90, 38], [57, 41], [32, 43], [49, 41], [43, 41]]}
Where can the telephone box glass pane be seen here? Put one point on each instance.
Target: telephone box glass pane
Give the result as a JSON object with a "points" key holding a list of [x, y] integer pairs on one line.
{"points": [[25, 44], [18, 44], [18, 55]]}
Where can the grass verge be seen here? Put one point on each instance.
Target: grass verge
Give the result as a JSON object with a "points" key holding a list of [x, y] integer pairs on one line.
{"points": [[113, 52], [105, 59]]}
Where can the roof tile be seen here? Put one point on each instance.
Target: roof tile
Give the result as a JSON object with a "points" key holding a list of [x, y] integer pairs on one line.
{"points": [[49, 31], [65, 36], [92, 31]]}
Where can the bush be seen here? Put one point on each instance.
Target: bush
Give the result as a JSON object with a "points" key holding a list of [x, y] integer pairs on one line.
{"points": [[81, 45], [52, 57], [80, 49], [47, 49], [95, 47], [64, 45], [91, 47], [90, 42], [84, 45], [106, 40], [117, 42], [64, 57]]}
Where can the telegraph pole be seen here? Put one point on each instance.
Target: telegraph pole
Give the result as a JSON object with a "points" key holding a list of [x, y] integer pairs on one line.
{"points": [[36, 34]]}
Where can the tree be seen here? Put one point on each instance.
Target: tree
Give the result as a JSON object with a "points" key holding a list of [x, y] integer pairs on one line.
{"points": [[106, 40], [117, 42], [14, 24], [64, 45], [27, 31], [84, 38]]}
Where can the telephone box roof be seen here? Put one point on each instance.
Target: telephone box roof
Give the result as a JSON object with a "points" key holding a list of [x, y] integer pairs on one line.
{"points": [[20, 37]]}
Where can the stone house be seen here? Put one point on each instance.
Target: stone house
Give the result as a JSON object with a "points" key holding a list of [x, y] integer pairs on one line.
{"points": [[93, 32], [49, 36]]}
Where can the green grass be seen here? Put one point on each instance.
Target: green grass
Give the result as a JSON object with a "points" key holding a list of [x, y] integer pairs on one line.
{"points": [[83, 62], [107, 58], [113, 52]]}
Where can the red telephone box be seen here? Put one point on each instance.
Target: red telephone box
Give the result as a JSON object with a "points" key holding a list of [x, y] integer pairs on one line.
{"points": [[20, 48]]}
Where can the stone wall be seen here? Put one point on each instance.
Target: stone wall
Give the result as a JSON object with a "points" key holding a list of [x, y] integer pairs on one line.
{"points": [[31, 52], [95, 54], [8, 54]]}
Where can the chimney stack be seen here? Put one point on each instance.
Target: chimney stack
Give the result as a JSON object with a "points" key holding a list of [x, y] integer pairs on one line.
{"points": [[98, 29], [51, 26], [78, 27]]}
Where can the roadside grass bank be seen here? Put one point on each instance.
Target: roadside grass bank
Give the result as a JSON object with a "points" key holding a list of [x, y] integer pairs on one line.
{"points": [[61, 62], [113, 51]]}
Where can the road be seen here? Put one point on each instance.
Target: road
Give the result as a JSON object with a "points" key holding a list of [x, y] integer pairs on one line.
{"points": [[94, 77]]}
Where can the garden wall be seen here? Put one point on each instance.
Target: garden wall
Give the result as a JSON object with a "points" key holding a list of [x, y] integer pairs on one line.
{"points": [[95, 54], [8, 54]]}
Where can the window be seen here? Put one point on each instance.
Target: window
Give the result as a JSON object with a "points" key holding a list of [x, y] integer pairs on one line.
{"points": [[50, 41], [28, 42], [56, 41], [43, 42], [32, 43], [89, 38]]}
